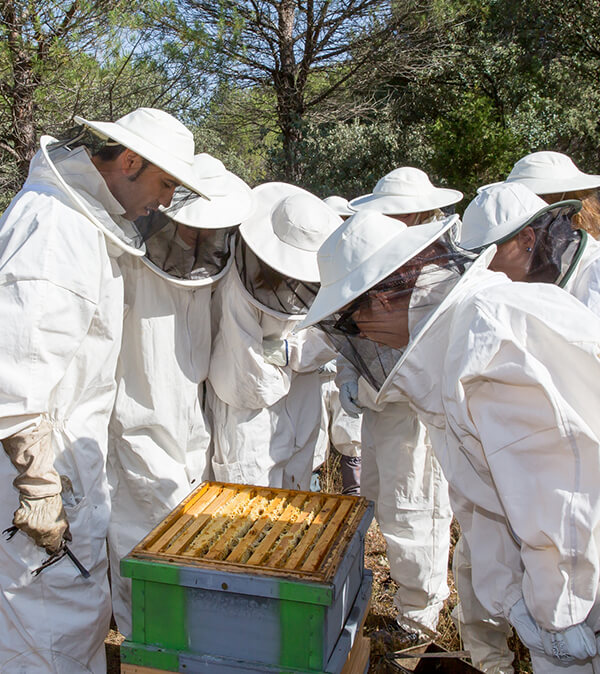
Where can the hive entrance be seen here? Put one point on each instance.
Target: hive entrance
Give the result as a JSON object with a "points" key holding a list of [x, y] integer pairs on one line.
{"points": [[274, 531]]}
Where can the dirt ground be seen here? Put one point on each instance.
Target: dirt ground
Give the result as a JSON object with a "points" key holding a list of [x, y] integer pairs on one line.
{"points": [[381, 617]]}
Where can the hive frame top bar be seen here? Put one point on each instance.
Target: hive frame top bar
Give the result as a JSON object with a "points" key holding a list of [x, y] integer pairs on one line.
{"points": [[258, 530]]}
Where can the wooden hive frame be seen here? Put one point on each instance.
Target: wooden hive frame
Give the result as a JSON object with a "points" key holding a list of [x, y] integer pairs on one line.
{"points": [[269, 531]]}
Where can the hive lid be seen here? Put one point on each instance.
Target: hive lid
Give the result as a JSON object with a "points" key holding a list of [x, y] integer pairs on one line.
{"points": [[258, 530]]}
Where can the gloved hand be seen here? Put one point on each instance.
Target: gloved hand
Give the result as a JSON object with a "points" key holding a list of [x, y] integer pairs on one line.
{"points": [[43, 519], [349, 398], [527, 629], [276, 351], [577, 642], [40, 514], [328, 368]]}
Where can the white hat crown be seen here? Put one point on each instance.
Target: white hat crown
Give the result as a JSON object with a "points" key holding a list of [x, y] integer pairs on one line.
{"points": [[163, 130], [542, 165], [207, 166], [349, 247], [298, 221], [498, 211], [406, 190], [338, 205], [405, 182]]}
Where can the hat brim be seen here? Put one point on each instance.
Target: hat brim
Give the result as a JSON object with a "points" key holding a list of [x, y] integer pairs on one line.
{"points": [[181, 171], [396, 252], [390, 204], [557, 186], [509, 229], [257, 232], [233, 204], [582, 182], [481, 262]]}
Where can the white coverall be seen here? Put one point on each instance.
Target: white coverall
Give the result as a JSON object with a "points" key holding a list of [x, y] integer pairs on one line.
{"points": [[402, 476], [266, 418], [158, 435], [61, 312], [338, 428], [509, 398], [483, 635]]}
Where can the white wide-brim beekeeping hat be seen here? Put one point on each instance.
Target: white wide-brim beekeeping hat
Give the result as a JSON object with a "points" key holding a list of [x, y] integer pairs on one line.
{"points": [[231, 199], [339, 205], [365, 250], [549, 173], [406, 190], [287, 228], [156, 136], [500, 211]]}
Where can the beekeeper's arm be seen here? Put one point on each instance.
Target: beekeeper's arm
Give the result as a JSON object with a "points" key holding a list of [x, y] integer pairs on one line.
{"points": [[346, 380], [309, 349], [239, 373], [586, 287], [543, 461], [42, 326]]}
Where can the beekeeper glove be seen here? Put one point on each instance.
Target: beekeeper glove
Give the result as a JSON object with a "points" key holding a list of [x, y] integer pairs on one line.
{"points": [[577, 642], [349, 398], [40, 514], [527, 629], [276, 351]]}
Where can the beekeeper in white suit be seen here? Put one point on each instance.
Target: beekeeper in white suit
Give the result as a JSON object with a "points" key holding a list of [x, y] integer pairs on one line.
{"points": [[61, 312], [264, 391], [505, 373], [159, 435], [555, 177], [412, 509], [536, 243]]}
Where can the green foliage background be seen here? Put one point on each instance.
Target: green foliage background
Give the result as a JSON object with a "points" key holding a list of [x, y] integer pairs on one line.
{"points": [[485, 83]]}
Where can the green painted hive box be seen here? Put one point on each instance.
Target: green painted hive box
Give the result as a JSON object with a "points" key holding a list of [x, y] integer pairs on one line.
{"points": [[248, 574]]}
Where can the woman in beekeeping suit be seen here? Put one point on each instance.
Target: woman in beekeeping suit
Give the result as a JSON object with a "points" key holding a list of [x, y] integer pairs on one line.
{"points": [[159, 435], [536, 243], [412, 509], [554, 177], [505, 376], [264, 391]]}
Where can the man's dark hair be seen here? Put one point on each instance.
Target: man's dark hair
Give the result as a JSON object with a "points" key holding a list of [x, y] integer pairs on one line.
{"points": [[109, 151]]}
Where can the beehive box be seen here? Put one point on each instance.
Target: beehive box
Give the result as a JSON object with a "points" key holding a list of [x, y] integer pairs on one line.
{"points": [[241, 578]]}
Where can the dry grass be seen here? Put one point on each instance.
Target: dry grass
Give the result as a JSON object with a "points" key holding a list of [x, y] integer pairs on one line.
{"points": [[382, 614]]}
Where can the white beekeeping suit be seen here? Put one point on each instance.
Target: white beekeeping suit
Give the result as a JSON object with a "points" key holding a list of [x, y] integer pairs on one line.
{"points": [[556, 254], [264, 391], [511, 393], [412, 509], [61, 311], [159, 436]]}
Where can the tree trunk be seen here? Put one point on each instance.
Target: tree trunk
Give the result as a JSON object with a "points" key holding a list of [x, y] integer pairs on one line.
{"points": [[20, 92], [290, 100]]}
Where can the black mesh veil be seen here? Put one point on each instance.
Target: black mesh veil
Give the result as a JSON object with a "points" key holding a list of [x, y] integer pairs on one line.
{"points": [[411, 294], [556, 244], [270, 288], [190, 253]]}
